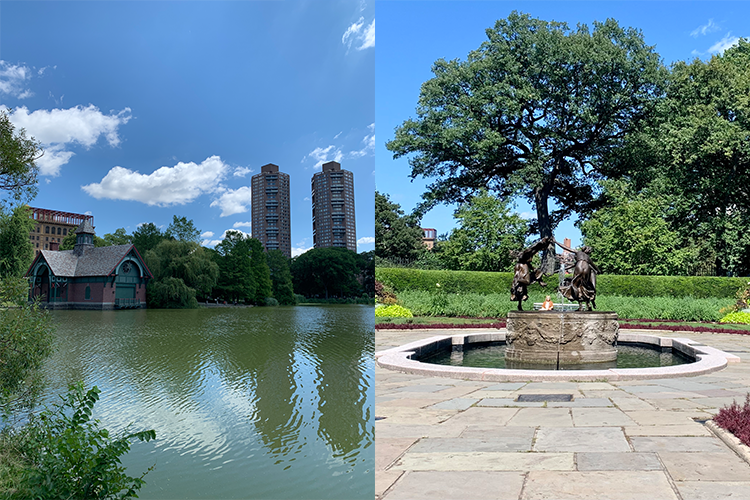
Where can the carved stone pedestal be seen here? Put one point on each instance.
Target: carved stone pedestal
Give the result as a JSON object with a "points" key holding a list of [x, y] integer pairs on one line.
{"points": [[561, 338]]}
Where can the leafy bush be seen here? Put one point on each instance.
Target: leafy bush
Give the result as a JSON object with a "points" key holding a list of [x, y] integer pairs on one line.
{"points": [[67, 455], [736, 317], [384, 294], [394, 311], [170, 293], [400, 279], [736, 420], [270, 301]]}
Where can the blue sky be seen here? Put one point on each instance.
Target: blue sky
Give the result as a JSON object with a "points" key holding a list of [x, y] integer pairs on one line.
{"points": [[152, 109], [413, 35]]}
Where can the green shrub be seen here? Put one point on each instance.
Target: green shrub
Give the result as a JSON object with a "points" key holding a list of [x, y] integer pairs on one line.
{"points": [[68, 456], [742, 318], [394, 311], [270, 301], [400, 279]]}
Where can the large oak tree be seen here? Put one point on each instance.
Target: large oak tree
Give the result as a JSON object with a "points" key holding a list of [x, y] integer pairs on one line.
{"points": [[535, 112]]}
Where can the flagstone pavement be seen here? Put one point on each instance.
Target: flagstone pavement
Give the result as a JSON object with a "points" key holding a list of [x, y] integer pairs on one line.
{"points": [[444, 439]]}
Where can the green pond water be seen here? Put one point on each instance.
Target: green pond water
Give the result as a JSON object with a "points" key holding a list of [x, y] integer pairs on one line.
{"points": [[264, 403]]}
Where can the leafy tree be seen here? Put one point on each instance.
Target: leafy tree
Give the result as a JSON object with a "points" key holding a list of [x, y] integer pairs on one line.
{"points": [[184, 261], [634, 237], [535, 112], [183, 229], [68, 455], [397, 237], [261, 272], [233, 256], [119, 237], [281, 277], [706, 153], [327, 272], [485, 235], [366, 264], [18, 156], [25, 342], [16, 250], [147, 237]]}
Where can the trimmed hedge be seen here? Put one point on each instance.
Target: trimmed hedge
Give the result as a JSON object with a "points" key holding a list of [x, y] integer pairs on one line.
{"points": [[400, 279]]}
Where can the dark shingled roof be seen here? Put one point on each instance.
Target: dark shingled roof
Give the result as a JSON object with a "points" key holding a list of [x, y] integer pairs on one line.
{"points": [[85, 227], [94, 261]]}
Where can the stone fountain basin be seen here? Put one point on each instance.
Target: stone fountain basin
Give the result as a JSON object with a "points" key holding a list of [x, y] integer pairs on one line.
{"points": [[708, 359]]}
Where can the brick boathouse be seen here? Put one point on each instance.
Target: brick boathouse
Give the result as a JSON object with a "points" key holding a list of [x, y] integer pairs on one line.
{"points": [[86, 277]]}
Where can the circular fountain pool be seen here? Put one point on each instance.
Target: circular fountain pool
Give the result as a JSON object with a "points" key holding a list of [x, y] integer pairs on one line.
{"points": [[492, 355], [410, 358]]}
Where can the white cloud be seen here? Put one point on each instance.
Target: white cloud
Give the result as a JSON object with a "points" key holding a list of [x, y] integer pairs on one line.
{"points": [[207, 234], [13, 78], [242, 171], [58, 128], [527, 215], [242, 224], [366, 240], [306, 198], [213, 243], [166, 186], [369, 144], [363, 37], [338, 135], [299, 251], [723, 44], [710, 27], [324, 155], [233, 201]]}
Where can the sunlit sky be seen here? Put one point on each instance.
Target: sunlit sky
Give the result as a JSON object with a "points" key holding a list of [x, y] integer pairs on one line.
{"points": [[413, 35], [152, 109]]}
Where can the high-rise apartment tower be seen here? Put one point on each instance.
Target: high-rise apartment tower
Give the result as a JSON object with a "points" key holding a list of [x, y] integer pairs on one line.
{"points": [[271, 219], [333, 208]]}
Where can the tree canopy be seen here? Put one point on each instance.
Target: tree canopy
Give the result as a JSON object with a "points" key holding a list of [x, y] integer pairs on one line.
{"points": [[397, 236], [183, 229], [16, 250], [18, 156], [485, 235], [326, 272], [535, 112]]}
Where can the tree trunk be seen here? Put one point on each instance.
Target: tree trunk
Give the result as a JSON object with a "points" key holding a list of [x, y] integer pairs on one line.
{"points": [[541, 199]]}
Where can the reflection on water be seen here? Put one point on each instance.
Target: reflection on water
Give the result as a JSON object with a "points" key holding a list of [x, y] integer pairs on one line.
{"points": [[246, 403]]}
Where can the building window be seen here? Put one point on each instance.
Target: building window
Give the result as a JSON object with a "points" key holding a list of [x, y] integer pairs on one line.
{"points": [[46, 229], [65, 231], [59, 230], [87, 295]]}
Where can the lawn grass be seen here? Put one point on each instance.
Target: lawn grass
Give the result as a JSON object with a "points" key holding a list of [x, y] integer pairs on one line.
{"points": [[423, 304]]}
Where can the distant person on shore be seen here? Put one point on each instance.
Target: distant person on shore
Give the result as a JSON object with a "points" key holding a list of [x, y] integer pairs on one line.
{"points": [[547, 305]]}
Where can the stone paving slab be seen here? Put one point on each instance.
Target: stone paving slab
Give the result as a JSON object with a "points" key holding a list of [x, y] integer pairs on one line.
{"points": [[491, 431], [407, 402], [713, 490], [659, 417], [484, 393], [677, 443], [694, 429], [678, 404], [422, 388], [389, 449], [631, 403], [450, 485], [581, 403], [508, 403], [463, 444], [396, 430], [723, 466], [600, 417], [384, 479], [581, 439], [414, 415], [598, 485], [506, 386], [548, 417], [476, 415], [489, 461], [455, 404], [617, 461]]}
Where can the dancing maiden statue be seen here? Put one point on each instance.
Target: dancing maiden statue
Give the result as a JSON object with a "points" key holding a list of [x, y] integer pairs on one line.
{"points": [[524, 273], [582, 287]]}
